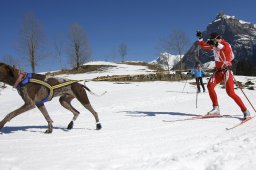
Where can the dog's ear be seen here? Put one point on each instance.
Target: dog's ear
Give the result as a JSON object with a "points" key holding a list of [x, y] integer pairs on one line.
{"points": [[4, 71], [11, 71]]}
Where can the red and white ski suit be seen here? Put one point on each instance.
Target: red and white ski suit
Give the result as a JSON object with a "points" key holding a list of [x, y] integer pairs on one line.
{"points": [[223, 55]]}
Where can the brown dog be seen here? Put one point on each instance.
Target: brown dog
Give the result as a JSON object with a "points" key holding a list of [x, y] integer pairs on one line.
{"points": [[35, 94]]}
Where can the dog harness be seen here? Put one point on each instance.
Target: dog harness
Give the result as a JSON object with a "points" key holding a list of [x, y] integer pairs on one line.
{"points": [[28, 79]]}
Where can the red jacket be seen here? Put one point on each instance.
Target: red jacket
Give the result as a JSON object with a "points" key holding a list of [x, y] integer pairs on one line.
{"points": [[223, 54]]}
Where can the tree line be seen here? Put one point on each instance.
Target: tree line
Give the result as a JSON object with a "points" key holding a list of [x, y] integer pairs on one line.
{"points": [[33, 49], [245, 67]]}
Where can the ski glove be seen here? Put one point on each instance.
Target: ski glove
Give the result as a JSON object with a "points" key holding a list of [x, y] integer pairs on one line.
{"points": [[212, 43], [199, 34]]}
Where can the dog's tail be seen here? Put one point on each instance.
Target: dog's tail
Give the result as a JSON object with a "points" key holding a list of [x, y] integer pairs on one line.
{"points": [[86, 88]]}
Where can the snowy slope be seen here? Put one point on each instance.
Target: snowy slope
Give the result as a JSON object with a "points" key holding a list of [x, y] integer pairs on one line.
{"points": [[117, 69], [134, 136]]}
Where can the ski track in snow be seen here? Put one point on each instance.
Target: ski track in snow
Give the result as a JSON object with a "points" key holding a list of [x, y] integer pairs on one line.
{"points": [[134, 135]]}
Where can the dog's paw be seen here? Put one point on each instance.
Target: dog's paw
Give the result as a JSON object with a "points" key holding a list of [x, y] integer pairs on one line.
{"points": [[48, 131], [98, 126], [70, 125]]}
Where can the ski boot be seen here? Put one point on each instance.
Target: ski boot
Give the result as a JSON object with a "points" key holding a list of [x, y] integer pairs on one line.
{"points": [[247, 114], [214, 111]]}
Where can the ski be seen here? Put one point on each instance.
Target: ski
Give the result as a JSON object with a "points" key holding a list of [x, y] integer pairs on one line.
{"points": [[208, 116], [242, 122], [202, 117]]}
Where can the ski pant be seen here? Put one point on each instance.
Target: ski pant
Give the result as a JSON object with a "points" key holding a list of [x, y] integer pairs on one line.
{"points": [[199, 80], [227, 77]]}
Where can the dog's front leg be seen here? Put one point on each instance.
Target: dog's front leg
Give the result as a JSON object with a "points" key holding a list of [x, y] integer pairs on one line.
{"points": [[47, 117], [15, 113]]}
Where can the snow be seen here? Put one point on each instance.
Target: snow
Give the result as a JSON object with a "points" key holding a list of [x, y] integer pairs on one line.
{"points": [[228, 17], [134, 135], [217, 20], [231, 17], [117, 69], [244, 22]]}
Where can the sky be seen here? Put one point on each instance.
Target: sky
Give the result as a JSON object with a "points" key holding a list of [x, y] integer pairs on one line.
{"points": [[140, 24]]}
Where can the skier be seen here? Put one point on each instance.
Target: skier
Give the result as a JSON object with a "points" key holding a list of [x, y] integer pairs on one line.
{"points": [[223, 55], [198, 74]]}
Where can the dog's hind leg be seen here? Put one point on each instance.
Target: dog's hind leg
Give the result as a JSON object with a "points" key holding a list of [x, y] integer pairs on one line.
{"points": [[47, 117], [15, 113], [82, 97], [65, 101], [95, 114]]}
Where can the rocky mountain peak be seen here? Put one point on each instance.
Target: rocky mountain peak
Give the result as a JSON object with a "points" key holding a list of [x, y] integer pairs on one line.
{"points": [[239, 33]]}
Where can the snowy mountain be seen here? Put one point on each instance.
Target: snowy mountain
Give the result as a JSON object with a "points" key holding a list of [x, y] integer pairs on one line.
{"points": [[240, 34], [135, 134], [167, 60], [209, 65]]}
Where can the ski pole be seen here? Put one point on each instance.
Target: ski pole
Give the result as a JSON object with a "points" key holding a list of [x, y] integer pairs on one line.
{"points": [[196, 98], [197, 58], [244, 93], [184, 85]]}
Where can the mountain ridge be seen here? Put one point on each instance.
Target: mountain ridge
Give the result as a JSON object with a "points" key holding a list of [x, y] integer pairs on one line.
{"points": [[240, 34]]}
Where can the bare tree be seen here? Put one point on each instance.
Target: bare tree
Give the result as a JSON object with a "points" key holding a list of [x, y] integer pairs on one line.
{"points": [[80, 51], [122, 51], [32, 38], [177, 43], [113, 54], [59, 48]]}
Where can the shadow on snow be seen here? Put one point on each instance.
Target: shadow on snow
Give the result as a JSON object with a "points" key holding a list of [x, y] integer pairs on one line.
{"points": [[12, 129], [146, 113]]}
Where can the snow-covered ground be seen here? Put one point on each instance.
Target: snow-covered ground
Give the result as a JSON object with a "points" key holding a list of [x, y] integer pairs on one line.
{"points": [[114, 69], [134, 135]]}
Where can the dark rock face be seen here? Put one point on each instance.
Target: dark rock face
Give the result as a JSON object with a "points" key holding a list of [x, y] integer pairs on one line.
{"points": [[240, 34]]}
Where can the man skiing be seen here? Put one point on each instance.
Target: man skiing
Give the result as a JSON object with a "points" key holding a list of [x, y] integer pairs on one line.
{"points": [[198, 74], [223, 55]]}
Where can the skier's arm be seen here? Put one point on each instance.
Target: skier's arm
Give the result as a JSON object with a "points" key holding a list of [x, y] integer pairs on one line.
{"points": [[204, 45], [201, 42], [202, 73]]}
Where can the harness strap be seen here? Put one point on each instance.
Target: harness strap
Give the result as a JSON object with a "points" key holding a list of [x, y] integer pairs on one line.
{"points": [[28, 79], [223, 69], [51, 88], [50, 94], [65, 84]]}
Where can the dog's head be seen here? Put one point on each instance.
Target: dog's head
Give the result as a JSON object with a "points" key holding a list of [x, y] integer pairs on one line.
{"points": [[7, 74]]}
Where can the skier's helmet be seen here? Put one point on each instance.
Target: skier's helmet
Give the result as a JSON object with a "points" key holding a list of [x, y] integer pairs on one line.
{"points": [[215, 35]]}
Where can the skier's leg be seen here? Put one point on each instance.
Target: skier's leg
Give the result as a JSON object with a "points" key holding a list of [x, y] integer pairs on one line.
{"points": [[197, 85], [202, 84], [231, 92], [213, 81]]}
